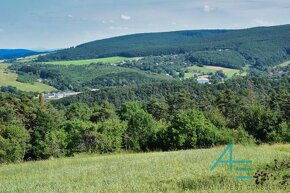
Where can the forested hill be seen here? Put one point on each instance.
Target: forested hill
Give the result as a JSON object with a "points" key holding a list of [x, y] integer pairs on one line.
{"points": [[201, 94], [258, 46], [134, 45], [15, 53]]}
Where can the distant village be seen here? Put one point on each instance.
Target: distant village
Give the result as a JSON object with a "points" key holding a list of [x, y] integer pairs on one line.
{"points": [[202, 80], [60, 95]]}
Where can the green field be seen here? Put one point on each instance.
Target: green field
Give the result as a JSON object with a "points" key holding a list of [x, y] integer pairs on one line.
{"points": [[8, 78], [180, 171], [99, 60], [199, 71], [284, 64]]}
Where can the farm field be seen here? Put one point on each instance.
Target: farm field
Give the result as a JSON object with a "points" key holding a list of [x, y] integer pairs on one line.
{"points": [[199, 71], [89, 61], [8, 78], [180, 171], [284, 64]]}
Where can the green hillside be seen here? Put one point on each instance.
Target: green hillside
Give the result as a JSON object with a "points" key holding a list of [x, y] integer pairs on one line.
{"points": [[132, 45], [82, 77], [89, 61], [9, 78], [182, 171], [261, 46]]}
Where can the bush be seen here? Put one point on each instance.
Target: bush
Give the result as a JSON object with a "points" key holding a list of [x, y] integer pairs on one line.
{"points": [[141, 126], [27, 78], [13, 143], [281, 134], [82, 136], [78, 111], [242, 137], [56, 143], [190, 129], [266, 125], [111, 132]]}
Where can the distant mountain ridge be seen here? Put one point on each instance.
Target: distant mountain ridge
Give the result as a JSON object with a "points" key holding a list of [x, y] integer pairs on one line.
{"points": [[259, 46], [6, 54]]}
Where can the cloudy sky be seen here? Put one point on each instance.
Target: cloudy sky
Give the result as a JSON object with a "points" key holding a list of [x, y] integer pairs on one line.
{"points": [[39, 24]]}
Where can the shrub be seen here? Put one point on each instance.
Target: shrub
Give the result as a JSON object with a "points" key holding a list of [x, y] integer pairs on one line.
{"points": [[13, 143], [78, 111], [281, 134], [191, 129], [141, 126], [82, 136], [56, 143], [111, 133], [242, 137]]}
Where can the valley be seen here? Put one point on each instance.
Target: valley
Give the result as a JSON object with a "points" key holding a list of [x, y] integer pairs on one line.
{"points": [[110, 108]]}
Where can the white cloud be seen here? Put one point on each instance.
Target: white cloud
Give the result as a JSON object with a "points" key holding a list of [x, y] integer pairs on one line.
{"points": [[125, 17], [1, 30], [70, 16], [207, 8]]}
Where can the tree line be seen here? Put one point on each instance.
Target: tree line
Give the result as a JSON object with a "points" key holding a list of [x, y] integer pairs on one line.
{"points": [[210, 115]]}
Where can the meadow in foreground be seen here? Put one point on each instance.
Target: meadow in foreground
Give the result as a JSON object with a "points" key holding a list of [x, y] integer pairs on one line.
{"points": [[180, 171]]}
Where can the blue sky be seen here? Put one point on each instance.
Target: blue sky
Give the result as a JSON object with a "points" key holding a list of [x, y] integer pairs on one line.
{"points": [[38, 24]]}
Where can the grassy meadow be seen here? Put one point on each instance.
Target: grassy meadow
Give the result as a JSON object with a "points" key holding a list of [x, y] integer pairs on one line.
{"points": [[89, 61], [197, 70], [180, 171], [284, 64], [8, 78]]}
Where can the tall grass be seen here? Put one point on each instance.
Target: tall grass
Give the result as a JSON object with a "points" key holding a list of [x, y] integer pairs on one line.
{"points": [[180, 171]]}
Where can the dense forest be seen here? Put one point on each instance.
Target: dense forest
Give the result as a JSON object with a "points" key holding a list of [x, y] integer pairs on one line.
{"points": [[259, 47], [83, 77], [261, 85], [225, 58], [155, 116]]}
